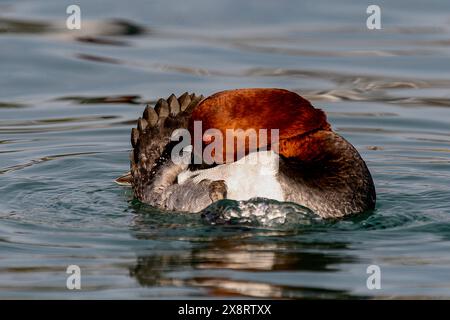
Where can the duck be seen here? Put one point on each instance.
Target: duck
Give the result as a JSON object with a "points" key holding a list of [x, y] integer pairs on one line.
{"points": [[308, 163]]}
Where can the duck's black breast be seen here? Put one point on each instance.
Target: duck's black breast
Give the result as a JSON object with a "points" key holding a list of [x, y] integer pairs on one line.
{"points": [[335, 184]]}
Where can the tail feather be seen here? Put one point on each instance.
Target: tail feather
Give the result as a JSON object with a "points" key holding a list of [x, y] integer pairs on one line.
{"points": [[152, 135]]}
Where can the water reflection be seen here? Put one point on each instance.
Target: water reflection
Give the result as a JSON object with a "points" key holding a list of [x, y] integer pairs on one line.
{"points": [[216, 263], [131, 99], [69, 98], [102, 41], [112, 27], [10, 25]]}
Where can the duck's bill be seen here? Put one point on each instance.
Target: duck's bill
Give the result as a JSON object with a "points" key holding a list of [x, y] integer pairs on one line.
{"points": [[124, 180]]}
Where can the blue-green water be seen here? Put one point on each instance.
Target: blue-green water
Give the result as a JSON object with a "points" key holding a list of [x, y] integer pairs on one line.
{"points": [[68, 100]]}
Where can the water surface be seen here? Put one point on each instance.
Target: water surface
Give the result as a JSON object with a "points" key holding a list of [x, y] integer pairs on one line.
{"points": [[68, 100]]}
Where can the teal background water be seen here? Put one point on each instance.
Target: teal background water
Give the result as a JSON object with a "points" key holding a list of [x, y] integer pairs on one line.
{"points": [[68, 100]]}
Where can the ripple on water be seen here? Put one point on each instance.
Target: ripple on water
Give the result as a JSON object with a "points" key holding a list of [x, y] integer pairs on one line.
{"points": [[258, 212], [70, 98]]}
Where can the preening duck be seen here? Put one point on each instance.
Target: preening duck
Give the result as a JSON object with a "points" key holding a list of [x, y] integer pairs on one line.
{"points": [[308, 163]]}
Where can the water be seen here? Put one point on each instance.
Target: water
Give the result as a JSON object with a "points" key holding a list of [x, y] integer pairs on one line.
{"points": [[68, 100]]}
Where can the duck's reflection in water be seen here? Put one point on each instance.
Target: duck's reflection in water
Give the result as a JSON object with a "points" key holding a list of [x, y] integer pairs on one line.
{"points": [[244, 263]]}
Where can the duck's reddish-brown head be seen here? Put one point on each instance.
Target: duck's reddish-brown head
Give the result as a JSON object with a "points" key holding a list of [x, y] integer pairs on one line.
{"points": [[258, 109]]}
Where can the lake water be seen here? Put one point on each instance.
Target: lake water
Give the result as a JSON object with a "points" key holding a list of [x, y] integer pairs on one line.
{"points": [[69, 98]]}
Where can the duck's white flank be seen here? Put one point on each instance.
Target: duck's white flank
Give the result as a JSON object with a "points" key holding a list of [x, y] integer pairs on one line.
{"points": [[252, 176]]}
